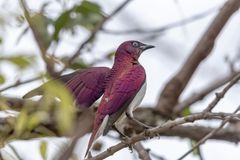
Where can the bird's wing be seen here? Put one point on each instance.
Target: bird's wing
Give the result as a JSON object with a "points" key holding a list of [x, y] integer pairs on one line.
{"points": [[86, 85], [116, 99]]}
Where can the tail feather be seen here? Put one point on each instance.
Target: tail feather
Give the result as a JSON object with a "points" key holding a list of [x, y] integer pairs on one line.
{"points": [[92, 139], [97, 132]]}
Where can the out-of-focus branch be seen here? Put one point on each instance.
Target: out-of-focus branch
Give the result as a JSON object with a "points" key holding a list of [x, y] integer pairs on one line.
{"points": [[95, 31], [142, 152], [203, 93], [173, 89], [43, 50], [19, 82], [145, 114], [162, 28]]}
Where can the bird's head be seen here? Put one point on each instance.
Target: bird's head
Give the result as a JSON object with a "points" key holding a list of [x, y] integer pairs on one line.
{"points": [[132, 49]]}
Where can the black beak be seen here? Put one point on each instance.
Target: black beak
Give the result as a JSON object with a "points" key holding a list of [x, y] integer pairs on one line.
{"points": [[144, 47]]}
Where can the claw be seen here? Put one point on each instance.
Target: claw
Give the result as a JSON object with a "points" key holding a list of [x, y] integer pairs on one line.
{"points": [[124, 140]]}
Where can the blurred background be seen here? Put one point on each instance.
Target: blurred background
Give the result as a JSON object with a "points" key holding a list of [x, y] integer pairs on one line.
{"points": [[173, 26]]}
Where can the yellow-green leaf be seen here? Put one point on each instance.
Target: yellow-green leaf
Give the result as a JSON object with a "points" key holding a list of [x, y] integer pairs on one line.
{"points": [[35, 119], [2, 79], [40, 24], [186, 111], [21, 61], [21, 122], [64, 113], [43, 149]]}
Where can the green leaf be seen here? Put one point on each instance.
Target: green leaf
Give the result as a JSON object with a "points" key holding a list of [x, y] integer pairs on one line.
{"points": [[21, 122], [21, 61], [35, 119], [78, 65], [60, 23], [65, 112], [40, 24], [90, 14], [110, 55], [186, 111], [87, 14], [88, 7], [2, 79], [43, 149]]}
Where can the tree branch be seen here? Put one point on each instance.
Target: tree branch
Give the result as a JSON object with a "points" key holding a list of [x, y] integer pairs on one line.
{"points": [[19, 82], [196, 97], [142, 152], [173, 89], [43, 50]]}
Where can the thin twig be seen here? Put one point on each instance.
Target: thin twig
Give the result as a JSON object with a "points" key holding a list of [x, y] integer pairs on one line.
{"points": [[18, 83], [162, 28], [221, 94], [43, 50], [142, 152], [15, 152], [205, 138], [203, 93], [156, 156]]}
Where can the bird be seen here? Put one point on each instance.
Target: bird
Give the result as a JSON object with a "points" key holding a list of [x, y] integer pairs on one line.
{"points": [[125, 87]]}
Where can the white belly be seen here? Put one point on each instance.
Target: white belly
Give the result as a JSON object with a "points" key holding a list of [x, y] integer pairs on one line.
{"points": [[137, 99], [132, 106]]}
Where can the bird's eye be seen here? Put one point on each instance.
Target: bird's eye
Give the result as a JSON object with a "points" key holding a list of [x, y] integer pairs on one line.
{"points": [[135, 44]]}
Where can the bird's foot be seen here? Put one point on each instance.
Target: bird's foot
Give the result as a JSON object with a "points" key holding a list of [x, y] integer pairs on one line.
{"points": [[125, 140], [137, 121], [119, 132]]}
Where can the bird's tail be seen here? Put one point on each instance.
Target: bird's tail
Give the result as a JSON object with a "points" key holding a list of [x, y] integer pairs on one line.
{"points": [[97, 132], [91, 140]]}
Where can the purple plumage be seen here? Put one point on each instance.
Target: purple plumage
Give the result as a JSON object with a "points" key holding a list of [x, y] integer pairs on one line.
{"points": [[88, 85], [125, 88]]}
